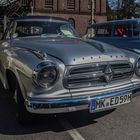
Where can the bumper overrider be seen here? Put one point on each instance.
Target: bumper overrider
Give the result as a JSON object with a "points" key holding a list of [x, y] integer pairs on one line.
{"points": [[53, 106]]}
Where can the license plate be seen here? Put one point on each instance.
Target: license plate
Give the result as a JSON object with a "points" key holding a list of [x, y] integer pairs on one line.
{"points": [[99, 104]]}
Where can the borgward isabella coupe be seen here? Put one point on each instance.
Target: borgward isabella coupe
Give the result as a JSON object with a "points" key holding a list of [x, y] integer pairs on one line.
{"points": [[49, 70]]}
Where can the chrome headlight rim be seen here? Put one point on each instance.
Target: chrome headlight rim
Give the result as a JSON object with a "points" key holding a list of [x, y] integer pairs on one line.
{"points": [[38, 70], [137, 68]]}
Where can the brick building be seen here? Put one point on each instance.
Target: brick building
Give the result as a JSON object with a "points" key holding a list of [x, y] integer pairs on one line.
{"points": [[76, 11]]}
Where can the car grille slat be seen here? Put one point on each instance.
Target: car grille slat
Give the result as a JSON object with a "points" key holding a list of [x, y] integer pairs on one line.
{"points": [[123, 71], [97, 74], [90, 74], [85, 70]]}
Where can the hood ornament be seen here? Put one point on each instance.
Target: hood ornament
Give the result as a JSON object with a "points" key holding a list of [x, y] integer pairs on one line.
{"points": [[108, 74]]}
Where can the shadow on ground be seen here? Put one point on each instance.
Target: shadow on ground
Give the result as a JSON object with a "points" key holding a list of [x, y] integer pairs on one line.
{"points": [[43, 123]]}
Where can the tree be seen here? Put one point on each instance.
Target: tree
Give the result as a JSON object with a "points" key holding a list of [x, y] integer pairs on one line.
{"points": [[128, 9], [113, 8], [109, 11], [120, 9]]}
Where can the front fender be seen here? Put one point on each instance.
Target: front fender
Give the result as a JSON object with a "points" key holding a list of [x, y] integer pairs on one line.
{"points": [[22, 63]]}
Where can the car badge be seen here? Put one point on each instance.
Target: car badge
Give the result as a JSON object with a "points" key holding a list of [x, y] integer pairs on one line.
{"points": [[108, 74]]}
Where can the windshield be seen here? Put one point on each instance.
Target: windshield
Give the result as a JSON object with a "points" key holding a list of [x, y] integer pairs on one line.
{"points": [[38, 28]]}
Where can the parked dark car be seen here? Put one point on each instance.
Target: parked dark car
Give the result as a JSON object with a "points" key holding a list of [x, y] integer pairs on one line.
{"points": [[120, 33]]}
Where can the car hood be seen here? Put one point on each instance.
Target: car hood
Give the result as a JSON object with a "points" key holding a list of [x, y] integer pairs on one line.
{"points": [[71, 50]]}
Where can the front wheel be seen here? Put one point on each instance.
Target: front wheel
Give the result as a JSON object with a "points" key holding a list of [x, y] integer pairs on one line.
{"points": [[22, 115]]}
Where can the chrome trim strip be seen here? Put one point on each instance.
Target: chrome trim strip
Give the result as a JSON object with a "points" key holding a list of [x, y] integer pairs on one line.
{"points": [[69, 104], [109, 94]]}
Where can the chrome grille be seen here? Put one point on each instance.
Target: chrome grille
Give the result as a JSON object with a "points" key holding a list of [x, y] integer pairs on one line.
{"points": [[121, 71], [97, 74]]}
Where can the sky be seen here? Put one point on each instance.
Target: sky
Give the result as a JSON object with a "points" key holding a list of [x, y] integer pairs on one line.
{"points": [[113, 3], [137, 0]]}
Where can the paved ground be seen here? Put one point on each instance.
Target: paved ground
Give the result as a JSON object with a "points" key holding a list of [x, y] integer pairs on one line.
{"points": [[120, 124]]}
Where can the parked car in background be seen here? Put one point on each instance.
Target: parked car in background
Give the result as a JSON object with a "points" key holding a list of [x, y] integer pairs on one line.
{"points": [[49, 69], [120, 33]]}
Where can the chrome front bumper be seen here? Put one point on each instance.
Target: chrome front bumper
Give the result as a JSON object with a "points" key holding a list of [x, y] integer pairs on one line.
{"points": [[53, 106]]}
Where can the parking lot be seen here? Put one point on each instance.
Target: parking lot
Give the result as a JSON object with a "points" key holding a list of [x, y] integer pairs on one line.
{"points": [[120, 124]]}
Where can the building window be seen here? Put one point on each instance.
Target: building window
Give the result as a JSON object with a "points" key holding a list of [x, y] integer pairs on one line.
{"points": [[49, 4], [72, 22], [90, 5], [24, 1], [71, 4]]}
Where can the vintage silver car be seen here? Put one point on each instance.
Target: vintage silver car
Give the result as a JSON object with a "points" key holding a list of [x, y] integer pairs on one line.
{"points": [[49, 69]]}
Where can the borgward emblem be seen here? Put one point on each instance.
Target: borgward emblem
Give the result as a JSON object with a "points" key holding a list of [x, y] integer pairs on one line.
{"points": [[108, 74]]}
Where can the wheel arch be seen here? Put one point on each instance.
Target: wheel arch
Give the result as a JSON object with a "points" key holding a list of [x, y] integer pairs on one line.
{"points": [[12, 79]]}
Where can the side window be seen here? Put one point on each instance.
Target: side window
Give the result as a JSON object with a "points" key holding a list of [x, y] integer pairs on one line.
{"points": [[104, 30], [28, 30], [100, 31], [136, 30], [123, 30], [108, 30]]}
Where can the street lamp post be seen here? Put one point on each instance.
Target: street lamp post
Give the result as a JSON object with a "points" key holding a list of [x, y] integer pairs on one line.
{"points": [[92, 11], [5, 22], [32, 7], [93, 15]]}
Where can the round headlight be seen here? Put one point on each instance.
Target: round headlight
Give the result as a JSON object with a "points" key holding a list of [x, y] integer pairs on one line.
{"points": [[46, 74], [138, 68]]}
